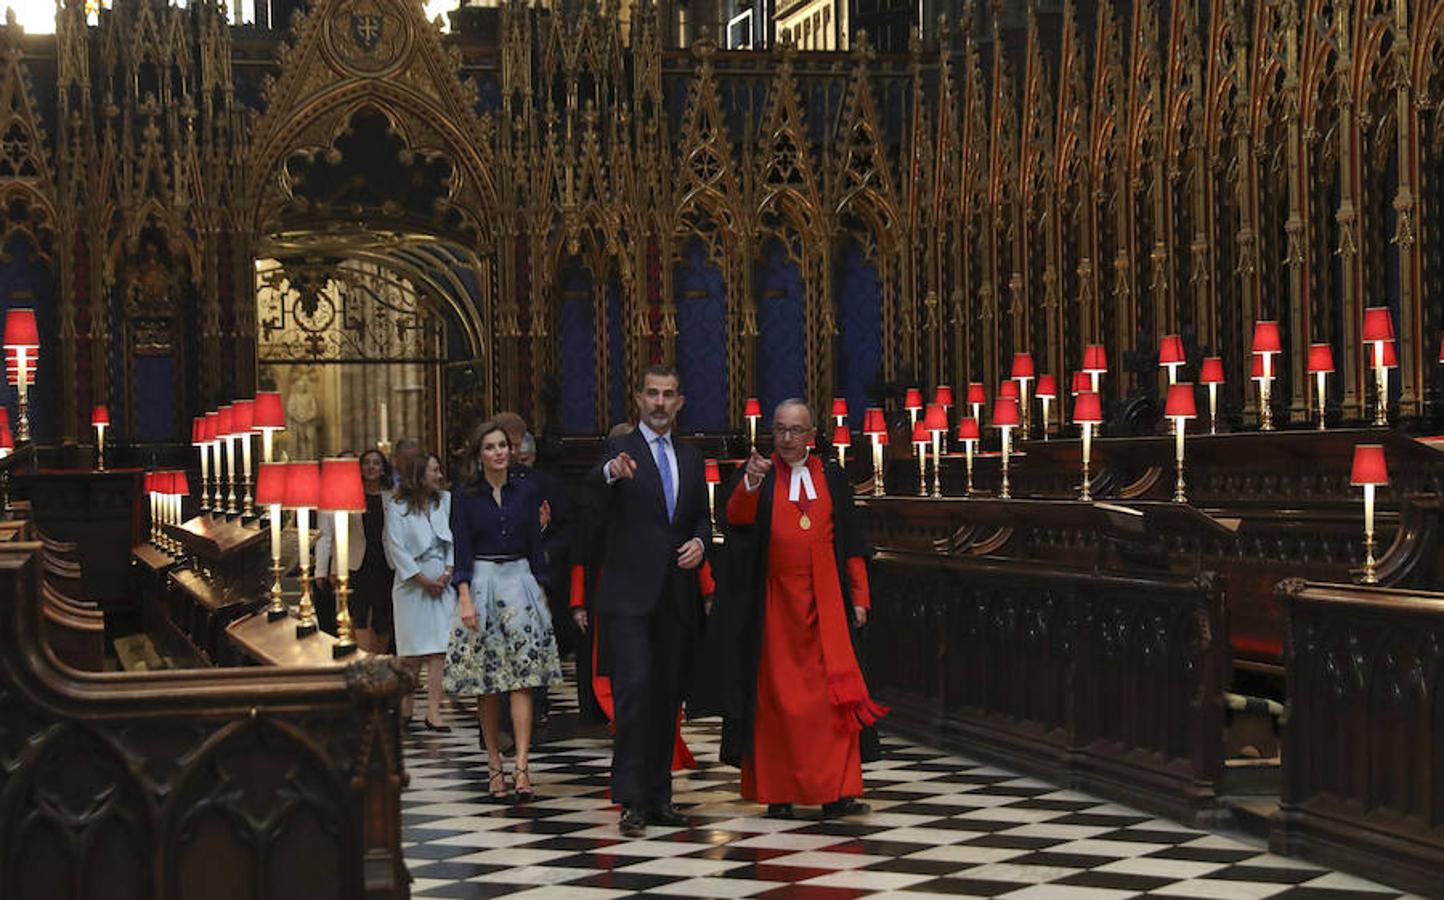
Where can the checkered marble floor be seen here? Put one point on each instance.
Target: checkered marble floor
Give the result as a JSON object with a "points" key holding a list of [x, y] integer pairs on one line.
{"points": [[941, 825]]}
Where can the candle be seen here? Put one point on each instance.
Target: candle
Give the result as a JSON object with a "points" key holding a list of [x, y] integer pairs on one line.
{"points": [[385, 425], [343, 542]]}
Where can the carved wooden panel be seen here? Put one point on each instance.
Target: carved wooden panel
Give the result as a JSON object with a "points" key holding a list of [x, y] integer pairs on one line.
{"points": [[1364, 749], [1108, 682], [193, 784]]}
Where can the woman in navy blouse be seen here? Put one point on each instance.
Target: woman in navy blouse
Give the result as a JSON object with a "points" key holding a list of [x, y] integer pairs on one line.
{"points": [[503, 642]]}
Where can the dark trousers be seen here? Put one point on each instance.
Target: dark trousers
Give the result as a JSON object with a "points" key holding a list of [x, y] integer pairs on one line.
{"points": [[648, 655]]}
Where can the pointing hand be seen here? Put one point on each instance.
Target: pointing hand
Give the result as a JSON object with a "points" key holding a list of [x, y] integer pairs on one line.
{"points": [[623, 466], [757, 467]]}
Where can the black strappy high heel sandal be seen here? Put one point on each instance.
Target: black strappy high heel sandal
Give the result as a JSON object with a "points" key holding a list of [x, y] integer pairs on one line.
{"points": [[523, 794], [495, 776]]}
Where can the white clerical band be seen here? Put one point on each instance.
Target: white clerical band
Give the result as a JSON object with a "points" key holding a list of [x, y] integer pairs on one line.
{"points": [[801, 483]]}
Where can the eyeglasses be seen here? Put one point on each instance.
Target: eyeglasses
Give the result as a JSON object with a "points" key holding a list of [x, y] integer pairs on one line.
{"points": [[796, 432]]}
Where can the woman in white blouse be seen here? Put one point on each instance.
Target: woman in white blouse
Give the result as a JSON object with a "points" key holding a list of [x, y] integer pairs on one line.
{"points": [[418, 534]]}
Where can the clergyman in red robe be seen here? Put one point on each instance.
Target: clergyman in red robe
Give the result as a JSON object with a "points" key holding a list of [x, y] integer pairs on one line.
{"points": [[796, 700]]}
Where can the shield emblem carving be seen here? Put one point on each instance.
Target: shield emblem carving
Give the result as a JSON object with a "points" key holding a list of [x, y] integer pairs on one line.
{"points": [[366, 29]]}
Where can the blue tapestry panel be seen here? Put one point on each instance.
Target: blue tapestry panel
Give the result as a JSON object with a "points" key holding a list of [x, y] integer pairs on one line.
{"points": [[616, 388], [859, 300], [701, 340], [578, 351], [155, 398], [782, 323]]}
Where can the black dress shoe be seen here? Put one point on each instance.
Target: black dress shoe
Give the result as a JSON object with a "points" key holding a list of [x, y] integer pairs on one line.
{"points": [[633, 823], [847, 806], [779, 811], [667, 815]]}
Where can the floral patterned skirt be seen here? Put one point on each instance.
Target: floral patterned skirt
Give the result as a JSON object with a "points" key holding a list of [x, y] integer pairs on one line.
{"points": [[515, 647]]}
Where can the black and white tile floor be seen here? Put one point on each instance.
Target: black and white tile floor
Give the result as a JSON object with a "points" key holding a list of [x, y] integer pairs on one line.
{"points": [[941, 825]]}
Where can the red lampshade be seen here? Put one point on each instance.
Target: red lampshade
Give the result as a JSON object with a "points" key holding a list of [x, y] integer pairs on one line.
{"points": [[7, 439], [160, 482], [271, 484], [841, 436], [874, 422], [198, 431], [213, 425], [937, 418], [180, 486], [1170, 350], [243, 415], [1441, 349], [1181, 404], [1008, 390], [921, 435], [839, 406], [1095, 358], [341, 487], [752, 407], [1369, 467], [977, 393], [882, 439], [943, 396], [1087, 408], [913, 399], [1321, 358], [712, 472], [268, 411], [20, 328], [1023, 365], [1266, 337], [100, 415], [1391, 359], [303, 485], [225, 421], [150, 482], [1212, 371], [1378, 324], [1081, 383], [1005, 412], [968, 429], [1047, 386]]}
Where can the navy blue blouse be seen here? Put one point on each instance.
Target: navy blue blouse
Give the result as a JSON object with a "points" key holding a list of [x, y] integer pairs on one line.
{"points": [[481, 528]]}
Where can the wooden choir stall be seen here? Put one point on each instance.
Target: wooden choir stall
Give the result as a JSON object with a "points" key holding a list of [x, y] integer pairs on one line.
{"points": [[234, 758], [1170, 654]]}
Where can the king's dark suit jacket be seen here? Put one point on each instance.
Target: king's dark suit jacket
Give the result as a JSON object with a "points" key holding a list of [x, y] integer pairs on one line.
{"points": [[640, 562]]}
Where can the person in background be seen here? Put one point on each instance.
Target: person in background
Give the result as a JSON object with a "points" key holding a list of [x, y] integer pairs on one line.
{"points": [[504, 642], [586, 563], [401, 456], [558, 524], [418, 533], [796, 700]]}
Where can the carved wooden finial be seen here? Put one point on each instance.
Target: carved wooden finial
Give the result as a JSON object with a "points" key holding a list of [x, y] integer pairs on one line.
{"points": [[862, 49]]}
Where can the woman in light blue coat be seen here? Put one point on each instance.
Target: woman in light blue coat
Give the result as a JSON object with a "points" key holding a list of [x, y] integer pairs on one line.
{"points": [[418, 536]]}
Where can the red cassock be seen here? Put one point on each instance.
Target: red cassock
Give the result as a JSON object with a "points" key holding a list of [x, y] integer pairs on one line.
{"points": [[804, 746], [602, 684]]}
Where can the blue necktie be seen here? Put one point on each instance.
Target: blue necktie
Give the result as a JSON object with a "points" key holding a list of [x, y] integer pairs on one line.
{"points": [[664, 468]]}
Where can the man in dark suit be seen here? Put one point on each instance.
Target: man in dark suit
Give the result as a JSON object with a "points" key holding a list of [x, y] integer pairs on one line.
{"points": [[653, 499]]}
